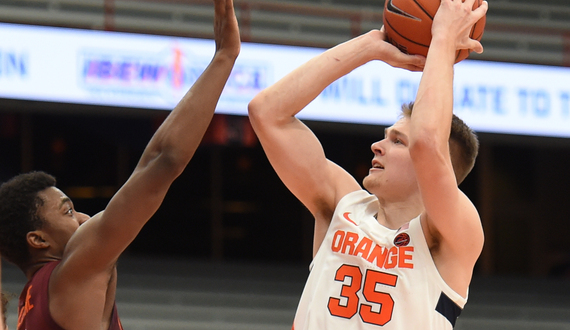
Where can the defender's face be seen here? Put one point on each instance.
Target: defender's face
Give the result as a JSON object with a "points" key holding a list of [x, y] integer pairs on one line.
{"points": [[61, 219], [392, 167]]}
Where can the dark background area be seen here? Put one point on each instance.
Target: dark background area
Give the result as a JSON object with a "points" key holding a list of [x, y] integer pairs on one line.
{"points": [[230, 205]]}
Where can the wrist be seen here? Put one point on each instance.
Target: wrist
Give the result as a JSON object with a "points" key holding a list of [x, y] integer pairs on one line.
{"points": [[375, 45], [443, 43], [224, 55]]}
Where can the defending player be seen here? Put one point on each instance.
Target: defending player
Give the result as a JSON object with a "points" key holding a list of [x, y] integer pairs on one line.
{"points": [[69, 258], [401, 256]]}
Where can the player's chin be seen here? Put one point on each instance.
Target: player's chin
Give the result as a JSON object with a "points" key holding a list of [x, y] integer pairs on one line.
{"points": [[368, 182]]}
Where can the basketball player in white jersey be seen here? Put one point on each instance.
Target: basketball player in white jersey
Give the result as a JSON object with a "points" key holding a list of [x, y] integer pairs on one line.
{"points": [[401, 254]]}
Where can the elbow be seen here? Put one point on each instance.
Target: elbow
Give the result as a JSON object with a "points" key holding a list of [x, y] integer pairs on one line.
{"points": [[255, 108], [260, 112], [174, 162], [267, 111], [168, 162], [176, 165]]}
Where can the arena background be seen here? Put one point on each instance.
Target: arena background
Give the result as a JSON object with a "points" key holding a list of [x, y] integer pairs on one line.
{"points": [[229, 235]]}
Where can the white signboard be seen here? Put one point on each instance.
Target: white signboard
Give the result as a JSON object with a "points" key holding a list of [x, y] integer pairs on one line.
{"points": [[142, 71]]}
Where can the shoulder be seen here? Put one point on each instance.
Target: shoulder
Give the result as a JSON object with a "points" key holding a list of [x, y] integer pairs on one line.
{"points": [[358, 197], [358, 202], [456, 251]]}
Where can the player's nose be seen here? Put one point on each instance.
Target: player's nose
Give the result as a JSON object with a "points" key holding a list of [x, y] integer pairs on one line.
{"points": [[377, 147]]}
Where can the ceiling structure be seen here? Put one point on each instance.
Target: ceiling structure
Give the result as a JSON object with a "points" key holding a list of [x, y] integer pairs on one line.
{"points": [[522, 31]]}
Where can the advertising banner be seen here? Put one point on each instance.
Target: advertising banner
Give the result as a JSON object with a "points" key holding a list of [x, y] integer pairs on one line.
{"points": [[153, 72]]}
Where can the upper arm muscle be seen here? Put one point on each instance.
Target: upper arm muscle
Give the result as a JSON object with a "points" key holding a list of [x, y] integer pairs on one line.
{"points": [[298, 158], [451, 217], [98, 243]]}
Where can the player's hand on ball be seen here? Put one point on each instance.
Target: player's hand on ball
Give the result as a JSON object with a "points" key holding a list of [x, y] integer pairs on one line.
{"points": [[455, 19], [394, 57]]}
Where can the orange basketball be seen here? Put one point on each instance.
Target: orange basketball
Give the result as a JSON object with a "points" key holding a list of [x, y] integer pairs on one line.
{"points": [[408, 25]]}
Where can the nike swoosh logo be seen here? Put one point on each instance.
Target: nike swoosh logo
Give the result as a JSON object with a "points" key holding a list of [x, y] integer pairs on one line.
{"points": [[391, 8], [345, 215]]}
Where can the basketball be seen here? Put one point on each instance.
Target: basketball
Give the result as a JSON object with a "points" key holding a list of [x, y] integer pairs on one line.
{"points": [[408, 25]]}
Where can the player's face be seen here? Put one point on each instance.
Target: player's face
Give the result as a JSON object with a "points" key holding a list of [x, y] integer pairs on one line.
{"points": [[61, 219], [392, 168]]}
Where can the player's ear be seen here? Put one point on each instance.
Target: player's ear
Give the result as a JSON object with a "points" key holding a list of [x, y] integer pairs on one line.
{"points": [[37, 240]]}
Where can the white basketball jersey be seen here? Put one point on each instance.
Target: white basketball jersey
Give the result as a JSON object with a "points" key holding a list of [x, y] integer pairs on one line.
{"points": [[366, 276]]}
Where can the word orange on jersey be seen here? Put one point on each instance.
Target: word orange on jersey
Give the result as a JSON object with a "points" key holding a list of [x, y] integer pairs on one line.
{"points": [[352, 244]]}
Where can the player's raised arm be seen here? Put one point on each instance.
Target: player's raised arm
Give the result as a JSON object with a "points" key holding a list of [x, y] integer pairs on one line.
{"points": [[293, 150], [98, 242], [452, 221]]}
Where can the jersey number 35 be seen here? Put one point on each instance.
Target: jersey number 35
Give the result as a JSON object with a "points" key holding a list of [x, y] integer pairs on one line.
{"points": [[352, 303]]}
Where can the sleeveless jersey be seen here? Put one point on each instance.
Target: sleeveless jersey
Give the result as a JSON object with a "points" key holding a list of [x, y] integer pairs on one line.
{"points": [[368, 277], [33, 307]]}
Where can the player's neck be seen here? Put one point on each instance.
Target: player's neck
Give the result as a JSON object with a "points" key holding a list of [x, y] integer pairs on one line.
{"points": [[36, 264], [395, 214]]}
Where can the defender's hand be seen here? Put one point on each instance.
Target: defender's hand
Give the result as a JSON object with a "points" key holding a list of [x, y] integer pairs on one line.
{"points": [[226, 29]]}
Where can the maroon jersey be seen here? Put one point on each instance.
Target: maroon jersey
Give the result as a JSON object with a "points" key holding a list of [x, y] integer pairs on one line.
{"points": [[33, 308]]}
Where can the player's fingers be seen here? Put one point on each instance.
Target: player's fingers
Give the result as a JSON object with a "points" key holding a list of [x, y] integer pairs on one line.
{"points": [[481, 10], [407, 61], [419, 61], [416, 63], [218, 6], [476, 46], [415, 68], [469, 3], [230, 6]]}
